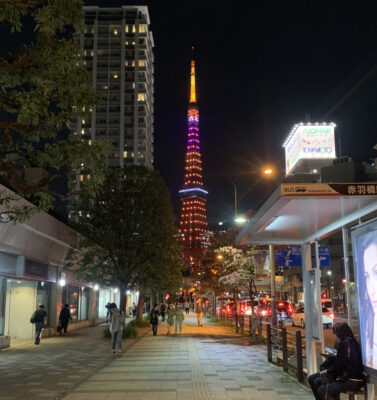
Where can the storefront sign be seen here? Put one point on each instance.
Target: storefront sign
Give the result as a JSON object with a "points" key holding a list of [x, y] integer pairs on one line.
{"points": [[36, 270]]}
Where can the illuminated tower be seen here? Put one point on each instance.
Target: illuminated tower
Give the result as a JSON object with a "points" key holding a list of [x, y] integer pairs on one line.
{"points": [[193, 223]]}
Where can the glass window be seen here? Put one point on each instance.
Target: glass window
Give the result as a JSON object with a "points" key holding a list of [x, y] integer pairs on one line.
{"points": [[141, 97], [73, 301], [3, 288], [83, 304], [141, 63], [43, 296], [142, 28]]}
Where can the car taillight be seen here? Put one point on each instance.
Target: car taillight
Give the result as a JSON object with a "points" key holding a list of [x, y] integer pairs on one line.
{"points": [[263, 312], [280, 304], [290, 310]]}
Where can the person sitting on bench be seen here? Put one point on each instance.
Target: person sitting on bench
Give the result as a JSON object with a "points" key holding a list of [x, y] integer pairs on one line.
{"points": [[346, 372]]}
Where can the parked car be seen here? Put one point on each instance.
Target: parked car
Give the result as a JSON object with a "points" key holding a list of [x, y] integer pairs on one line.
{"points": [[298, 317], [245, 307], [327, 303], [283, 310]]}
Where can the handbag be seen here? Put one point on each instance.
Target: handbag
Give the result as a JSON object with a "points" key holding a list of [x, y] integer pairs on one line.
{"points": [[59, 327]]}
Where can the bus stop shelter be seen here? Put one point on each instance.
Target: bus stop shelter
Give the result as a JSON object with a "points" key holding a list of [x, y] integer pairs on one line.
{"points": [[301, 214]]}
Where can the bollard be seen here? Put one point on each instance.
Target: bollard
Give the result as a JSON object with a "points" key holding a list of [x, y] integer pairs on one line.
{"points": [[250, 333], [269, 343], [236, 315], [300, 371], [285, 348]]}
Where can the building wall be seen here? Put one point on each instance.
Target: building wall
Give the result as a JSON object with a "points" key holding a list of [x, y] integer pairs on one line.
{"points": [[117, 47]]}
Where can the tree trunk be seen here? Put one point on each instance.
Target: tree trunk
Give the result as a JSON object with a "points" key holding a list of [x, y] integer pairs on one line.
{"points": [[140, 304], [123, 298]]}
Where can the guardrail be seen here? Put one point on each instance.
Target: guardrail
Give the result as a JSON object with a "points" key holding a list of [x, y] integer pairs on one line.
{"points": [[278, 338]]}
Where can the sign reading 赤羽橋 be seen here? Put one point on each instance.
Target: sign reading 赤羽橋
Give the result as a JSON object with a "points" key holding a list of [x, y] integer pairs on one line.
{"points": [[308, 141]]}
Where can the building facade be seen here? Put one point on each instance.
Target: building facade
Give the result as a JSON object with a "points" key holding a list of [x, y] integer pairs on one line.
{"points": [[117, 47]]}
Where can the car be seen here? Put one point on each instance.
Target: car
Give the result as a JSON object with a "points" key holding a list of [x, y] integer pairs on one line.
{"points": [[283, 310], [245, 307], [298, 317]]}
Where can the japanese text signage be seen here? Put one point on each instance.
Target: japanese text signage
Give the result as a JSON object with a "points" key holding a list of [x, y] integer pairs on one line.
{"points": [[329, 189]]}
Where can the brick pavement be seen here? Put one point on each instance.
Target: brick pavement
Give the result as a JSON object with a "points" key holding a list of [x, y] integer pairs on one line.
{"points": [[55, 367], [202, 363]]}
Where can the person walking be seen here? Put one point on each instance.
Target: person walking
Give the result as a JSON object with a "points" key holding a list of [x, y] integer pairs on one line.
{"points": [[170, 317], [108, 312], [187, 307], [64, 317], [163, 311], [134, 310], [38, 319], [179, 318], [199, 312], [117, 320], [154, 319], [346, 373]]}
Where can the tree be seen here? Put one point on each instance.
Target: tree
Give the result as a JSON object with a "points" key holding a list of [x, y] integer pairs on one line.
{"points": [[238, 270], [127, 233], [43, 86]]}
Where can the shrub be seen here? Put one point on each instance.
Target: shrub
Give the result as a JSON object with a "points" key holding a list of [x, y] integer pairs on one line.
{"points": [[140, 324], [129, 332], [214, 319]]}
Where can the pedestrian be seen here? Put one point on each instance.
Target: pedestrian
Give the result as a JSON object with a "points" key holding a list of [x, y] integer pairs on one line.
{"points": [[163, 311], [170, 317], [117, 321], [134, 309], [154, 319], [199, 312], [108, 312], [64, 317], [187, 307], [39, 319], [346, 373], [179, 318]]}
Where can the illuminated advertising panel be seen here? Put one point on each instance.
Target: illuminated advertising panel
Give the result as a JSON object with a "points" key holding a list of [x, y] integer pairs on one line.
{"points": [[309, 142], [364, 242]]}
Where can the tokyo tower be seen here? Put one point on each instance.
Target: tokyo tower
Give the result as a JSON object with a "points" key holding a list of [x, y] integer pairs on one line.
{"points": [[193, 222]]}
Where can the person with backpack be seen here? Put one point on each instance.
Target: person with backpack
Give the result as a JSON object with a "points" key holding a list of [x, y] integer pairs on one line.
{"points": [[64, 317], [117, 321], [38, 319], [154, 319], [346, 372]]}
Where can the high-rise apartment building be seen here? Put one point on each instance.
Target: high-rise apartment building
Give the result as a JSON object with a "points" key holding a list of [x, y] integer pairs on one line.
{"points": [[117, 46]]}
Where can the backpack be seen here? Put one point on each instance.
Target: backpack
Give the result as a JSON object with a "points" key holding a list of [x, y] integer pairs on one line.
{"points": [[32, 318]]}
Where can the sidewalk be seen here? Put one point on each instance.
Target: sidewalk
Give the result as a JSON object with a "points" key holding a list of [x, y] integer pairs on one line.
{"points": [[204, 362], [55, 367]]}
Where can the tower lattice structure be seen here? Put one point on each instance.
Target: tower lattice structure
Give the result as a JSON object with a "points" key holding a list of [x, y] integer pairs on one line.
{"points": [[193, 222]]}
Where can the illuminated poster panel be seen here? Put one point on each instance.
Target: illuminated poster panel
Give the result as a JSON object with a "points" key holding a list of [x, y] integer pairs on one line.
{"points": [[364, 242], [309, 141]]}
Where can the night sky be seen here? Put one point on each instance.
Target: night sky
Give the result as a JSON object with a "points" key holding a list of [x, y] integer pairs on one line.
{"points": [[261, 65]]}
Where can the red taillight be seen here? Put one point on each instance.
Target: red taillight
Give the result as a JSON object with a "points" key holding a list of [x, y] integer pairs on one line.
{"points": [[263, 312], [227, 308], [280, 304], [290, 310]]}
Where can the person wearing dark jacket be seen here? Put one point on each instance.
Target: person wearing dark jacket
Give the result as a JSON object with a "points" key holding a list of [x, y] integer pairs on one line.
{"points": [[38, 319], [346, 372], [154, 319], [64, 317]]}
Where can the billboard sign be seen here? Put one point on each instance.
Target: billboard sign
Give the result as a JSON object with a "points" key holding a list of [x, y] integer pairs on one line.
{"points": [[364, 243], [291, 257], [329, 189], [309, 141]]}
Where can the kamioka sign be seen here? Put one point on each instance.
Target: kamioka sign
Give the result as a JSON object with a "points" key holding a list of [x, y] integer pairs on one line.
{"points": [[309, 141]]}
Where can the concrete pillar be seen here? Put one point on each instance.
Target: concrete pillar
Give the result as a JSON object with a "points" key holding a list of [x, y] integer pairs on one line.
{"points": [[273, 286], [20, 266], [55, 305], [347, 274]]}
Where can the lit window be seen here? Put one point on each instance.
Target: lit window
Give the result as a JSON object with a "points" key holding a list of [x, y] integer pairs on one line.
{"points": [[133, 63], [92, 53], [83, 121], [81, 178], [126, 28], [115, 32], [133, 29], [82, 131], [115, 76], [125, 154], [133, 43], [141, 63], [126, 63], [141, 97], [142, 28], [89, 142], [126, 42]]}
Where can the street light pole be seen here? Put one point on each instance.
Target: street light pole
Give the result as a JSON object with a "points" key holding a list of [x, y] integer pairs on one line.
{"points": [[235, 198]]}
